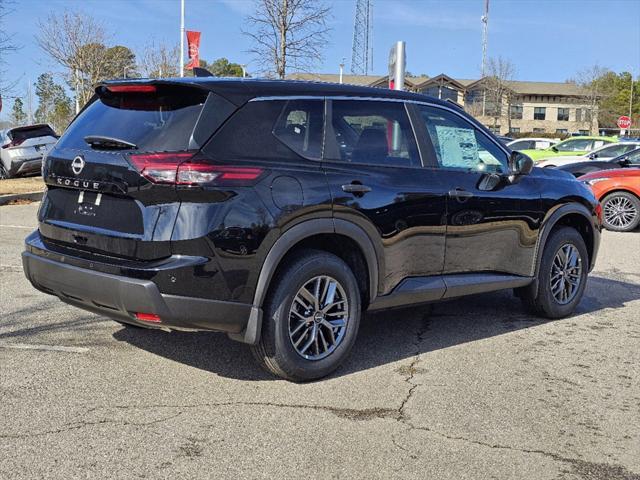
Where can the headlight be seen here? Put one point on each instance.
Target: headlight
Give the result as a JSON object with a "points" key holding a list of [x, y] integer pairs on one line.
{"points": [[593, 181]]}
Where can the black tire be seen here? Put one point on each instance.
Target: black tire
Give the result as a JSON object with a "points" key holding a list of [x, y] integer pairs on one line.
{"points": [[3, 172], [618, 223], [543, 302], [275, 351]]}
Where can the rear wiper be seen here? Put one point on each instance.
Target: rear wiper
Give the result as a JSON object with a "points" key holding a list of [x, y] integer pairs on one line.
{"points": [[99, 141]]}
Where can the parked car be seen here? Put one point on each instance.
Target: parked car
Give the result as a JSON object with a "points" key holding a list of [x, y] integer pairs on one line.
{"points": [[631, 159], [619, 193], [606, 152], [22, 149], [355, 199], [531, 143], [570, 146]]}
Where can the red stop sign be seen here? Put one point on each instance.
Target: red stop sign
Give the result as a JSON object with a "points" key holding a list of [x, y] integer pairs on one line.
{"points": [[624, 122]]}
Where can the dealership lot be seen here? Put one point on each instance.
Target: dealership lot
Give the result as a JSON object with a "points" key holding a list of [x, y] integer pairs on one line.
{"points": [[473, 389]]}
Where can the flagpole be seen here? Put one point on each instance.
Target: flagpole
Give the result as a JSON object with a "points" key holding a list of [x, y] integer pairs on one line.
{"points": [[182, 38]]}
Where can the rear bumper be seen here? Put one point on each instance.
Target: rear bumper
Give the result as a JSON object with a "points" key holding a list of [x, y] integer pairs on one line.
{"points": [[23, 166], [120, 297]]}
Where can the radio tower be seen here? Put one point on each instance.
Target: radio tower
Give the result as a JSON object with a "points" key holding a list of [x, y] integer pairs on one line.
{"points": [[361, 57], [485, 33]]}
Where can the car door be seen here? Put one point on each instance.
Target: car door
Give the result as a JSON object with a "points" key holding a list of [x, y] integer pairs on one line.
{"points": [[492, 223], [375, 174]]}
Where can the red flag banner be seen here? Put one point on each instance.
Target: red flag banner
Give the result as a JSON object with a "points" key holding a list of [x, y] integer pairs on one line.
{"points": [[193, 42]]}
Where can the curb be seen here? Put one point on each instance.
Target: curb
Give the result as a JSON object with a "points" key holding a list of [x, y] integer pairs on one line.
{"points": [[34, 196]]}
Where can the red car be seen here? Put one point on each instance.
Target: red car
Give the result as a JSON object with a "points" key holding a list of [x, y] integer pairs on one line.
{"points": [[619, 193]]}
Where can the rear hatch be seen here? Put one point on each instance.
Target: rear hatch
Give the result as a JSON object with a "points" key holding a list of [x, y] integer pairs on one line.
{"points": [[111, 177], [30, 142]]}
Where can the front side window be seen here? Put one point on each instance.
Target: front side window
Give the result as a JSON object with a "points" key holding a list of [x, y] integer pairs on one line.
{"points": [[614, 150], [522, 145], [563, 114], [459, 145], [539, 113], [372, 132], [634, 157]]}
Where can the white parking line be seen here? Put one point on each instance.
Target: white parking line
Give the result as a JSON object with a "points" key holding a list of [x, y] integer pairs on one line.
{"points": [[53, 348], [17, 226]]}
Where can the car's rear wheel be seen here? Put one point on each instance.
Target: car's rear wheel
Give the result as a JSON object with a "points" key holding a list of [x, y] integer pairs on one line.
{"points": [[3, 172], [562, 276], [621, 212], [311, 317]]}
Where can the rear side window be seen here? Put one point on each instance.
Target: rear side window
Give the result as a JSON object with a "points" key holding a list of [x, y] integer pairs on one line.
{"points": [[371, 132], [277, 130], [162, 121]]}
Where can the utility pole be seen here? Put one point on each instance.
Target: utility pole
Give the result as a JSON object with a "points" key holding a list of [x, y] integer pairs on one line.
{"points": [[182, 38], [361, 56], [631, 101], [485, 37], [341, 69]]}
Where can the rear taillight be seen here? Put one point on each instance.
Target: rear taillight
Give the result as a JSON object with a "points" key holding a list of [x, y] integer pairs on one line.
{"points": [[132, 88], [14, 143], [181, 168]]}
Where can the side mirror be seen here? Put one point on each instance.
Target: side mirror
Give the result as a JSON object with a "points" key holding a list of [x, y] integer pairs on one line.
{"points": [[593, 155], [520, 164], [624, 161], [554, 148]]}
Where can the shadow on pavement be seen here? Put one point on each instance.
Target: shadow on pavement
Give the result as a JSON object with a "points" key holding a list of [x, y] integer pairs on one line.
{"points": [[384, 337]]}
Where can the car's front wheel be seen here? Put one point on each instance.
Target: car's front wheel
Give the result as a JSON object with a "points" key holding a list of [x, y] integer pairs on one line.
{"points": [[3, 172], [311, 317], [620, 212], [562, 276]]}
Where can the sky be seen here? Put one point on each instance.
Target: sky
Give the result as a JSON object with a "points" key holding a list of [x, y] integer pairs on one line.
{"points": [[546, 40]]}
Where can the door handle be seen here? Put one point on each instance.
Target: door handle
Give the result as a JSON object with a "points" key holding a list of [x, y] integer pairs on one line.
{"points": [[356, 188], [460, 193]]}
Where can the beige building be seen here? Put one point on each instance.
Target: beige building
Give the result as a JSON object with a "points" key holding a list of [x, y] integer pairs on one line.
{"points": [[526, 107]]}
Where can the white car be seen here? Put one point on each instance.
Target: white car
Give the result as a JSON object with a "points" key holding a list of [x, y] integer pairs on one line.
{"points": [[606, 152], [22, 149], [531, 143]]}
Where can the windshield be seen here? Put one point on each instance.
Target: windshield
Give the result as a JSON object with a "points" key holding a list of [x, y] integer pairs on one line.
{"points": [[152, 122]]}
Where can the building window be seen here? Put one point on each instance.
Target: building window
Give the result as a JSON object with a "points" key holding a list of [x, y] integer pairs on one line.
{"points": [[583, 132], [583, 115], [514, 130], [516, 112], [495, 129], [562, 131], [563, 114], [538, 130], [539, 113]]}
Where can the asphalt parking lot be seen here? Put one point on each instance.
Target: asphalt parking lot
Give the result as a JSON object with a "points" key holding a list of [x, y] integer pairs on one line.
{"points": [[474, 389]]}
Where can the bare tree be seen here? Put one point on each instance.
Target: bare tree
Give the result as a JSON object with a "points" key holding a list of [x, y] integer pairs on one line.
{"points": [[76, 42], [498, 90], [159, 60], [288, 34], [6, 46], [593, 92]]}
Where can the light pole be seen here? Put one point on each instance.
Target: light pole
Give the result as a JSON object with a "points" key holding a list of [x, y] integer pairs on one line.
{"points": [[244, 71], [182, 38], [631, 101], [341, 70]]}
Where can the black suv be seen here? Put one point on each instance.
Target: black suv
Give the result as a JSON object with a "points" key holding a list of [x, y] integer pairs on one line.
{"points": [[279, 211]]}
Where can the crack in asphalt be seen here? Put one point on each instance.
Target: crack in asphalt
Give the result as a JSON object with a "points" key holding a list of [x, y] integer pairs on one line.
{"points": [[586, 470]]}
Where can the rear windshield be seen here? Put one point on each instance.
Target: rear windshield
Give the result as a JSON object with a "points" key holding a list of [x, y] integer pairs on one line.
{"points": [[21, 134], [156, 122]]}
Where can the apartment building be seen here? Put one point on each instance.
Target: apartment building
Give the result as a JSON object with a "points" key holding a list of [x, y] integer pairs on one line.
{"points": [[538, 107]]}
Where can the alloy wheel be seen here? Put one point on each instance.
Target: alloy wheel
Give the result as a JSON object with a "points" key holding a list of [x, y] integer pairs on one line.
{"points": [[318, 317], [566, 274], [619, 212]]}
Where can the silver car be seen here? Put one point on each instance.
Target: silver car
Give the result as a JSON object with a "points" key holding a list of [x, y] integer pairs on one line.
{"points": [[22, 149]]}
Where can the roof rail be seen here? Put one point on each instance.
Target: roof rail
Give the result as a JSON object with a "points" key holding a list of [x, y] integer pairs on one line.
{"points": [[202, 72]]}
